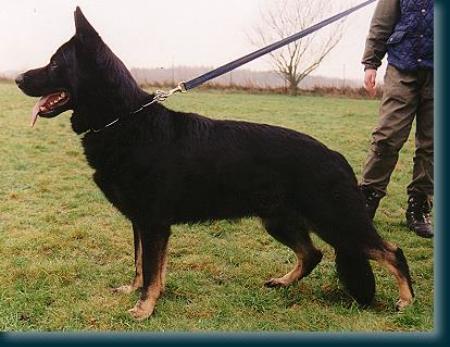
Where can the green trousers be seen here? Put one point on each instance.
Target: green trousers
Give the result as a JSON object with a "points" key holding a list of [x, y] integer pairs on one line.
{"points": [[407, 96]]}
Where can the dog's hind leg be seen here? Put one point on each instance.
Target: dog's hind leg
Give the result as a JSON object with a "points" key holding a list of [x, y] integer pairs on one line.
{"points": [[138, 278], [154, 242], [296, 237], [392, 257]]}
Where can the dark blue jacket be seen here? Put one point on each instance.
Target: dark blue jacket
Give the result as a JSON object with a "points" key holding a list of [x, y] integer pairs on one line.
{"points": [[410, 46]]}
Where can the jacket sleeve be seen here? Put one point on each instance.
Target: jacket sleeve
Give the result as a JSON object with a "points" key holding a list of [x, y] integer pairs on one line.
{"points": [[387, 14]]}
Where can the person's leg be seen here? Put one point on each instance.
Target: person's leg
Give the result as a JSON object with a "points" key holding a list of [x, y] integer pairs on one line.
{"points": [[420, 190], [397, 111]]}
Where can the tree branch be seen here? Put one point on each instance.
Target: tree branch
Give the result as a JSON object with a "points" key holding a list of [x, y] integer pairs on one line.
{"points": [[296, 61]]}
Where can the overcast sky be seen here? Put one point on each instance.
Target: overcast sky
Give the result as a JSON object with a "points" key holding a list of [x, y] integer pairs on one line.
{"points": [[159, 33]]}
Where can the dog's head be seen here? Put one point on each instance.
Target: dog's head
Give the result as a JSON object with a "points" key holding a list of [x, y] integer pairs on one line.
{"points": [[82, 75]]}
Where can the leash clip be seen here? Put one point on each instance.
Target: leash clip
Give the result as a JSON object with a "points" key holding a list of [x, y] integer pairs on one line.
{"points": [[161, 95]]}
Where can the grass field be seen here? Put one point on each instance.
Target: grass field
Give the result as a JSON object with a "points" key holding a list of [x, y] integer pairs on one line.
{"points": [[62, 245]]}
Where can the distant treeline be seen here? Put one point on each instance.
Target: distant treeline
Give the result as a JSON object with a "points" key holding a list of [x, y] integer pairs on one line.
{"points": [[5, 78], [240, 77]]}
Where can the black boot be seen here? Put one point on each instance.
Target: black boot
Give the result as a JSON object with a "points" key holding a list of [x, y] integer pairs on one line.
{"points": [[372, 200], [418, 216]]}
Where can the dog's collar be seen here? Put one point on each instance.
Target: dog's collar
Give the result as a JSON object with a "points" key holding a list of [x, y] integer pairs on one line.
{"points": [[118, 119], [160, 96]]}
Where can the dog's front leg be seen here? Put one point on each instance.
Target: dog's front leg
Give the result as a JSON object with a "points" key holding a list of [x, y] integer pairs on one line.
{"points": [[154, 242], [138, 278]]}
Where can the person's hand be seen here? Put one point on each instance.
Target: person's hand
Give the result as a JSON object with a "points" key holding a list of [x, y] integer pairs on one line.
{"points": [[370, 77]]}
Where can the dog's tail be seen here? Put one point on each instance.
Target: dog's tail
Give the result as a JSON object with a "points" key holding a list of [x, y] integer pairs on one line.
{"points": [[355, 273]]}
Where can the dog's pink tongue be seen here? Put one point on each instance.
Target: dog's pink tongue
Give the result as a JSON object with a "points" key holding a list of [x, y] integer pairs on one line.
{"points": [[36, 109]]}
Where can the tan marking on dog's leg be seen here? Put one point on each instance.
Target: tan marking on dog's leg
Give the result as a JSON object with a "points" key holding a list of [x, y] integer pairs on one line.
{"points": [[297, 238], [388, 260], [146, 305], [287, 279], [406, 297], [138, 279], [308, 257], [292, 275]]}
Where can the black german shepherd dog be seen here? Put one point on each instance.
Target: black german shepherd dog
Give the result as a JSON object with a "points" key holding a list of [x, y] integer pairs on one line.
{"points": [[160, 167]]}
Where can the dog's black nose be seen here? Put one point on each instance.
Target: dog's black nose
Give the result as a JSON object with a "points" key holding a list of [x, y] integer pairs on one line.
{"points": [[19, 79]]}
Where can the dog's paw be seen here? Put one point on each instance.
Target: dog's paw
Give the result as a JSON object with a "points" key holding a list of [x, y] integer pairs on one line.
{"points": [[127, 289], [276, 282], [142, 310], [401, 304]]}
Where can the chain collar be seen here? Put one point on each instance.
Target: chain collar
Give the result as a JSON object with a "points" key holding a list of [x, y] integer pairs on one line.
{"points": [[160, 96]]}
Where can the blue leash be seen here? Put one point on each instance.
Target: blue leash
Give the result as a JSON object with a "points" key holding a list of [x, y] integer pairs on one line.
{"points": [[161, 96], [185, 86]]}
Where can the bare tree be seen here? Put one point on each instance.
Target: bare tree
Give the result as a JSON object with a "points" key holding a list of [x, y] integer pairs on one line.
{"points": [[286, 17]]}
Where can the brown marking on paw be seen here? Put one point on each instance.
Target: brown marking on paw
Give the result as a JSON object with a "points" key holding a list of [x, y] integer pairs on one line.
{"points": [[143, 309]]}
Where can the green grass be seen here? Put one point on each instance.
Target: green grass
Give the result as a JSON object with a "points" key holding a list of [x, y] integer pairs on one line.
{"points": [[63, 245]]}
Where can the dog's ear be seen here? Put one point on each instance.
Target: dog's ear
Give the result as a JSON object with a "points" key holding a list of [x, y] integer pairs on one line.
{"points": [[84, 30]]}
